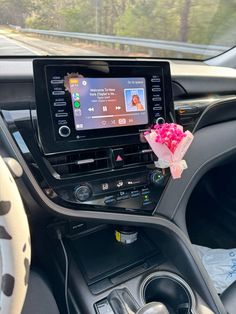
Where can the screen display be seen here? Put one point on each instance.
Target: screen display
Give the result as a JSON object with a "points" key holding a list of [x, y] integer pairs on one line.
{"points": [[107, 102]]}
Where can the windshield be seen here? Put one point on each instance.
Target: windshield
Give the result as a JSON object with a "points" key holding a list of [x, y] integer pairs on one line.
{"points": [[193, 29]]}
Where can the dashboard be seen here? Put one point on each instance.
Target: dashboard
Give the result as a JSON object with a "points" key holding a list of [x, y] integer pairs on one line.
{"points": [[88, 150], [75, 125], [78, 124]]}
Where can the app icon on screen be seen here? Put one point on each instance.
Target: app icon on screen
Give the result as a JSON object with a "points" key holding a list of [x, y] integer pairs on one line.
{"points": [[76, 96], [78, 112], [77, 104]]}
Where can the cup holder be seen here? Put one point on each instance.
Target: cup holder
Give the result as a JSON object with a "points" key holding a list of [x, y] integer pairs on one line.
{"points": [[169, 289]]}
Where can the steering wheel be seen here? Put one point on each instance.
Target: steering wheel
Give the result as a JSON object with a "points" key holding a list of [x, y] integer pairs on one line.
{"points": [[15, 251]]}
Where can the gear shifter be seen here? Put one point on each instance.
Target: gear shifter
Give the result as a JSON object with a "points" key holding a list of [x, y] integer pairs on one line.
{"points": [[153, 308], [122, 302]]}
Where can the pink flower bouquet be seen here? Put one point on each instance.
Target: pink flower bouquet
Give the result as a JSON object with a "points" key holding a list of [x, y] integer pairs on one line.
{"points": [[170, 143]]}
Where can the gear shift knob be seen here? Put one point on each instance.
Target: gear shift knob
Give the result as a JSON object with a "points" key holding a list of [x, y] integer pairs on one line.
{"points": [[153, 308]]}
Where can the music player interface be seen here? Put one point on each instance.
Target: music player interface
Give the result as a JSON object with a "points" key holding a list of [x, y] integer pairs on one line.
{"points": [[107, 102]]}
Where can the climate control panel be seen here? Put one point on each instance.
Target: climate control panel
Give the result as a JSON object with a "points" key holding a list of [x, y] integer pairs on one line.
{"points": [[136, 191]]}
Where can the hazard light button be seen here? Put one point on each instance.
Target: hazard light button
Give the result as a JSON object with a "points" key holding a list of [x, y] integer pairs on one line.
{"points": [[117, 157]]}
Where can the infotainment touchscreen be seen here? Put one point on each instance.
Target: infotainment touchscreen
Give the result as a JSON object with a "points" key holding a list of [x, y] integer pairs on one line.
{"points": [[84, 103], [107, 102]]}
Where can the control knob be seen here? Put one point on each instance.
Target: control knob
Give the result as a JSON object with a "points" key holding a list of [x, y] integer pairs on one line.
{"points": [[83, 193], [160, 120], [64, 131], [157, 178]]}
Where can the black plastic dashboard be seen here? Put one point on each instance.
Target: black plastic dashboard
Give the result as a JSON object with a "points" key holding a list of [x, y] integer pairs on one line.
{"points": [[87, 149], [52, 179], [91, 178]]}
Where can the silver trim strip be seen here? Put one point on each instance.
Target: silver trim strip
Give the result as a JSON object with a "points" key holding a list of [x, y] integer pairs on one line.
{"points": [[84, 161]]}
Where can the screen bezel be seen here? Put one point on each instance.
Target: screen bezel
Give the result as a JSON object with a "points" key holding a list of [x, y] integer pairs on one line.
{"points": [[49, 139]]}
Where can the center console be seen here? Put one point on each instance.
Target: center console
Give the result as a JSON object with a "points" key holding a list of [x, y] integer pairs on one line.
{"points": [[81, 145], [153, 274], [90, 119]]}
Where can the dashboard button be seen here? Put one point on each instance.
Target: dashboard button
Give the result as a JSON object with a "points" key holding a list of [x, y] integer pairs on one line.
{"points": [[110, 200], [156, 89], [120, 184], [117, 156], [145, 191], [156, 99], [135, 193], [132, 182], [122, 196], [135, 180], [58, 92], [155, 80], [64, 131], [105, 186], [157, 107], [59, 104], [83, 193], [61, 115], [57, 82], [102, 186], [146, 200]]}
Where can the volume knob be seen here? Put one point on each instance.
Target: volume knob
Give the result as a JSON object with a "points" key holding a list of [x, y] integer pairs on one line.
{"points": [[83, 193], [64, 131]]}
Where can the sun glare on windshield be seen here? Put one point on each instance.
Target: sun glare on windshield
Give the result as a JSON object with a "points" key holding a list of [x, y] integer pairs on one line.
{"points": [[193, 29]]}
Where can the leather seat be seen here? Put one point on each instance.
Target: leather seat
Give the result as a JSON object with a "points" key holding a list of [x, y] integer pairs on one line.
{"points": [[39, 297], [228, 298]]}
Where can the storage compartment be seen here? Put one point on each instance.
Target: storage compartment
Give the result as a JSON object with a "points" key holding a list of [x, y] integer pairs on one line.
{"points": [[106, 262], [169, 289]]}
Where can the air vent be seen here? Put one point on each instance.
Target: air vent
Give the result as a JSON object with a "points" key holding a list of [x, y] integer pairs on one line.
{"points": [[80, 162], [98, 160], [137, 155]]}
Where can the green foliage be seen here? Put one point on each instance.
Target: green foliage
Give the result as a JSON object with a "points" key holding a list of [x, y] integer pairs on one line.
{"points": [[78, 17], [194, 21], [158, 20]]}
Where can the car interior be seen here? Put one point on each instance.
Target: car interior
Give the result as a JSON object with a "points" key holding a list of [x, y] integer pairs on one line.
{"points": [[94, 226]]}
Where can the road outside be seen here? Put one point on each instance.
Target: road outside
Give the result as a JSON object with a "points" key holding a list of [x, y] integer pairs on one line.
{"points": [[13, 43]]}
